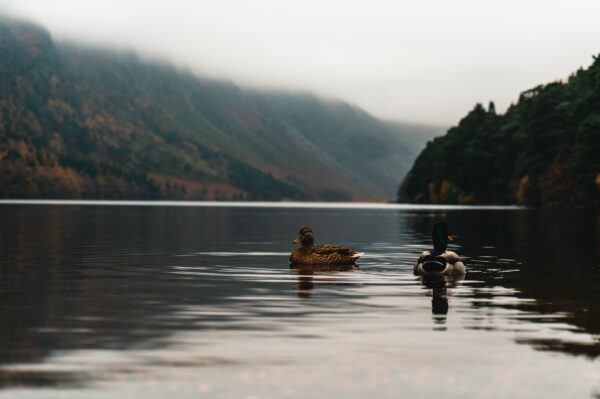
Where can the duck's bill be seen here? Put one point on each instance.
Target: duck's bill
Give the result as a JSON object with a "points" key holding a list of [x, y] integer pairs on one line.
{"points": [[296, 241], [358, 255], [450, 238]]}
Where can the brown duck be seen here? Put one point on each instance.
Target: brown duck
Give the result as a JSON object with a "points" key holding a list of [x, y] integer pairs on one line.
{"points": [[310, 254]]}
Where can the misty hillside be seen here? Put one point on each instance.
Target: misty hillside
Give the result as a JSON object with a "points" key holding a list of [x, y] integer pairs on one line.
{"points": [[545, 150], [80, 123]]}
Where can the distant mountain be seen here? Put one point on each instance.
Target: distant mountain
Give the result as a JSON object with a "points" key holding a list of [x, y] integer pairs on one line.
{"points": [[81, 123], [544, 151], [415, 136]]}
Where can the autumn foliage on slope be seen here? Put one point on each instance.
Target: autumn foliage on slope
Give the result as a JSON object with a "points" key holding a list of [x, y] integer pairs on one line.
{"points": [[88, 123]]}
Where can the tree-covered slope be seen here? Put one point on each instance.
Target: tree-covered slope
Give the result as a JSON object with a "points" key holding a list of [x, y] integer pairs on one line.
{"points": [[545, 150], [81, 123]]}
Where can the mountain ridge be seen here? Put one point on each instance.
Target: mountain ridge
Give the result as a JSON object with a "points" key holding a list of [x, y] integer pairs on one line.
{"points": [[89, 123]]}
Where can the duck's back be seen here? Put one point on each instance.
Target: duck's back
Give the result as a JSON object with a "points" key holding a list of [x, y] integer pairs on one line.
{"points": [[446, 263]]}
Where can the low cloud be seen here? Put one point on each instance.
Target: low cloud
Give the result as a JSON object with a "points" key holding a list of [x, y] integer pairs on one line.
{"points": [[420, 61]]}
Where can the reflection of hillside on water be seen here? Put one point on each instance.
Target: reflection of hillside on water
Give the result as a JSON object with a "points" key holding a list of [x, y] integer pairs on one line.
{"points": [[106, 279]]}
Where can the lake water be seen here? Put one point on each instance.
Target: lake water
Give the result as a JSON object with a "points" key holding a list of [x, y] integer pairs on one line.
{"points": [[199, 301]]}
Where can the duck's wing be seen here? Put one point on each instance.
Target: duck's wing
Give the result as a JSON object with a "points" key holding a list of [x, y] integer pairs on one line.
{"points": [[325, 255], [459, 268], [322, 249], [424, 255], [336, 258]]}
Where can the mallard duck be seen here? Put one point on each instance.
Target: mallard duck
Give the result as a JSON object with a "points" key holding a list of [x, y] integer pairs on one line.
{"points": [[310, 254], [440, 261]]}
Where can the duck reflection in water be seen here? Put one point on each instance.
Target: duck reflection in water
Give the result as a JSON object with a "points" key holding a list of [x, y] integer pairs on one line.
{"points": [[306, 283], [439, 286]]}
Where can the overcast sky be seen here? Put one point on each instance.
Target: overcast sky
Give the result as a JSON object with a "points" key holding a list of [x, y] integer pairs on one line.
{"points": [[415, 60]]}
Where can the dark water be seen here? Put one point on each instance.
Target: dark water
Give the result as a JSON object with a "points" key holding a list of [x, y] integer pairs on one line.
{"points": [[131, 301]]}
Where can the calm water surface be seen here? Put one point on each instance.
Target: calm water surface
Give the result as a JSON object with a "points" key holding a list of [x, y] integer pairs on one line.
{"points": [[136, 301]]}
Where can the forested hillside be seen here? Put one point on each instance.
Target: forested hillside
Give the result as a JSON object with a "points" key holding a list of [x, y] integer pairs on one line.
{"points": [[544, 151], [81, 123]]}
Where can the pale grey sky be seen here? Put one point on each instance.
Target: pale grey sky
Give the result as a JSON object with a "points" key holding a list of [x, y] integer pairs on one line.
{"points": [[415, 60]]}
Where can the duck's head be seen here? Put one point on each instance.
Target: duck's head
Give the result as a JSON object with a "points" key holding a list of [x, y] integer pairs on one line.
{"points": [[305, 237], [440, 238]]}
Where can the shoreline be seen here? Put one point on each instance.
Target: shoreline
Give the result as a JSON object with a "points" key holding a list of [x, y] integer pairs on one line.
{"points": [[262, 204]]}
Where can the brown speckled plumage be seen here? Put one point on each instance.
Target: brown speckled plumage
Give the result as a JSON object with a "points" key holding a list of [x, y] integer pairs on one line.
{"points": [[310, 254]]}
